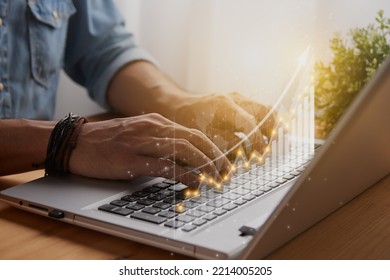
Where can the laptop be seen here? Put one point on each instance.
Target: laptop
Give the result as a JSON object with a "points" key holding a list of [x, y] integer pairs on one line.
{"points": [[258, 211]]}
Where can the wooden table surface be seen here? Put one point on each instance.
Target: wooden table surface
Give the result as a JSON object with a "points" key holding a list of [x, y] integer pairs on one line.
{"points": [[359, 230]]}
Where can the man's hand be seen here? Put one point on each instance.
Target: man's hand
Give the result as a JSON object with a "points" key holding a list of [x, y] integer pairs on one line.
{"points": [[140, 88], [223, 118], [148, 145]]}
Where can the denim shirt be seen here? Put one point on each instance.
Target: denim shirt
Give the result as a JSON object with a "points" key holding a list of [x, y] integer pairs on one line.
{"points": [[39, 37]]}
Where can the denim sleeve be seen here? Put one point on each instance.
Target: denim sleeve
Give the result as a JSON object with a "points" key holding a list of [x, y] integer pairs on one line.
{"points": [[98, 46]]}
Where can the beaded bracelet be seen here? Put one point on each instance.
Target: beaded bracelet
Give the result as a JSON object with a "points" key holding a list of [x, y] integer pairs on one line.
{"points": [[61, 144]]}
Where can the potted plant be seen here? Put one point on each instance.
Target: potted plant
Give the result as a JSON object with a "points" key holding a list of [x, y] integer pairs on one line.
{"points": [[354, 61]]}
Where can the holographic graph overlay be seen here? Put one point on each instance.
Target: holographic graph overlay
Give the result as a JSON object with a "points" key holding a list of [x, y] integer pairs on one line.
{"points": [[290, 139]]}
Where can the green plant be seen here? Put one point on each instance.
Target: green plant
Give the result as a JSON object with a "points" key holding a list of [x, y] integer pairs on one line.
{"points": [[353, 63]]}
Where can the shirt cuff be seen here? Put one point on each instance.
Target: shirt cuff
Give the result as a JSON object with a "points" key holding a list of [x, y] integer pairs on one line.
{"points": [[98, 90]]}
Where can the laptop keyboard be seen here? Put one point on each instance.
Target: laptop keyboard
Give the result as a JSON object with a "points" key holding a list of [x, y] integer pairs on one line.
{"points": [[172, 204]]}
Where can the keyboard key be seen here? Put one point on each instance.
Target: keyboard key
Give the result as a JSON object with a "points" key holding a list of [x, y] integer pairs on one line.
{"points": [[199, 222], [190, 204], [151, 189], [229, 207], [231, 186], [148, 217], [231, 196], [205, 188], [171, 182], [190, 193], [241, 191], [162, 205], [270, 177], [300, 169], [146, 201], [220, 191], [210, 195], [195, 213], [273, 185], [167, 214], [199, 200], [130, 198], [240, 202], [178, 209], [265, 188], [240, 181], [157, 196], [288, 176], [178, 187], [209, 217], [162, 185], [141, 194], [174, 224], [122, 211], [119, 203], [281, 181], [258, 192], [219, 212], [107, 207], [167, 192], [172, 200], [295, 173], [135, 206], [218, 202], [185, 218], [151, 210], [115, 210], [249, 197], [205, 208], [249, 176], [277, 173], [250, 186], [188, 228]]}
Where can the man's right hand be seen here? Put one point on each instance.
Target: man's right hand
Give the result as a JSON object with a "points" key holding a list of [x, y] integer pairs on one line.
{"points": [[145, 145]]}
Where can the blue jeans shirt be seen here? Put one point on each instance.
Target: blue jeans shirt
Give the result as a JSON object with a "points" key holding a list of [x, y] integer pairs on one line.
{"points": [[39, 37]]}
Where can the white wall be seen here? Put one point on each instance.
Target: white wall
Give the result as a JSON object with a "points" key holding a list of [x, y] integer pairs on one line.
{"points": [[251, 46], [73, 98]]}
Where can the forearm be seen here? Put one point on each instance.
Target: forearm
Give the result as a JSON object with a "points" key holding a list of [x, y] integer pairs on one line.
{"points": [[140, 88], [22, 143]]}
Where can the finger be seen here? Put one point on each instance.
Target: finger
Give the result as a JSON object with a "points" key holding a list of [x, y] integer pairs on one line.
{"points": [[199, 141], [226, 140], [178, 150], [235, 147], [261, 112], [150, 166], [158, 126], [238, 120]]}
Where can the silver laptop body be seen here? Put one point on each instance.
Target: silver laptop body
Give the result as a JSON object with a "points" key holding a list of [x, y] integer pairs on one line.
{"points": [[354, 157]]}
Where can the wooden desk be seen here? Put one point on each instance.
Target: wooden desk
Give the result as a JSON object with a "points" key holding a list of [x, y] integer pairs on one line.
{"points": [[359, 230]]}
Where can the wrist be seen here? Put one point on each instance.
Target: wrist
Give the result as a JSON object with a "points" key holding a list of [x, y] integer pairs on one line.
{"points": [[141, 88], [172, 101], [62, 141], [23, 144]]}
